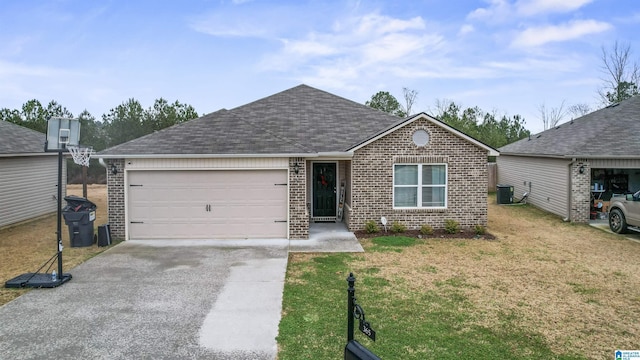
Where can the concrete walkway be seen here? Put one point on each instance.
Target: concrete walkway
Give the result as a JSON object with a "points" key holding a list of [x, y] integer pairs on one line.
{"points": [[604, 226], [162, 300], [327, 237]]}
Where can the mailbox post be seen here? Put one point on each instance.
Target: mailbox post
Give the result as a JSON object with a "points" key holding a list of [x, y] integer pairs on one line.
{"points": [[354, 350]]}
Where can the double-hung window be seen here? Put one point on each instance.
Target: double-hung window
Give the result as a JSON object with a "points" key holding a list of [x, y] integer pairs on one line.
{"points": [[420, 186]]}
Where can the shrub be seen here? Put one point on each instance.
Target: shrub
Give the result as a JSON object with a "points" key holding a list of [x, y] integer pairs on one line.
{"points": [[426, 230], [398, 228], [371, 227], [479, 230], [451, 226]]}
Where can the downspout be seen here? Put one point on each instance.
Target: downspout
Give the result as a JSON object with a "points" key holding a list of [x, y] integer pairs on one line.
{"points": [[570, 189]]}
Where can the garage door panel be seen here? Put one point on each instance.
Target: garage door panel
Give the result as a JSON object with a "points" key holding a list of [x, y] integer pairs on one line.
{"points": [[207, 204], [166, 210]]}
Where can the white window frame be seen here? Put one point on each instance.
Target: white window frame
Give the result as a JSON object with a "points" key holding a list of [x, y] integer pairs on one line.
{"points": [[420, 186]]}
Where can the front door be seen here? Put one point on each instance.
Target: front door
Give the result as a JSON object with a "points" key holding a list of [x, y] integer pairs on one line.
{"points": [[324, 190]]}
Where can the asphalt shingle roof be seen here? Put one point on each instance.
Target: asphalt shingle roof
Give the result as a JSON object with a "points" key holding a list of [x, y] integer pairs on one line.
{"points": [[301, 120], [16, 139], [610, 132]]}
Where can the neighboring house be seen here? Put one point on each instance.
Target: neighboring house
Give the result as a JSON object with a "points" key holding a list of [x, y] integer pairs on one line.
{"points": [[28, 175], [270, 168], [571, 169]]}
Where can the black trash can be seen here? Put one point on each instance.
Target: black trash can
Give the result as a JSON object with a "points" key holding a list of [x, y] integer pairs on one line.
{"points": [[79, 215], [504, 194]]}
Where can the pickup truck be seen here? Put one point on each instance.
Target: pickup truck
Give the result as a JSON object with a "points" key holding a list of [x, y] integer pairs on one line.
{"points": [[624, 213]]}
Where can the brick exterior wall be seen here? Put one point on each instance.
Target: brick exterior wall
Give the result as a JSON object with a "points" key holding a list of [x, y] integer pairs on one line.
{"points": [[298, 212], [372, 178], [346, 215], [115, 199], [580, 192]]}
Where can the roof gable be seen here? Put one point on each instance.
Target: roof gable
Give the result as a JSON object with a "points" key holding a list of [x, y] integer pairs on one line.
{"points": [[491, 151], [613, 131], [16, 139]]}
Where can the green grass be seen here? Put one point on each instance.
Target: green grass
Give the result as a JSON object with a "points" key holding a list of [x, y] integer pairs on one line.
{"points": [[391, 243], [583, 289], [409, 324]]}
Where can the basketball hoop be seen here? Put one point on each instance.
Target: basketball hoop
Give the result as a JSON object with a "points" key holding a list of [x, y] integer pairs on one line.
{"points": [[80, 155]]}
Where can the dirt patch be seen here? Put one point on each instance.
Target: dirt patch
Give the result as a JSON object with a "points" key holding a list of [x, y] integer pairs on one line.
{"points": [[26, 246], [576, 285]]}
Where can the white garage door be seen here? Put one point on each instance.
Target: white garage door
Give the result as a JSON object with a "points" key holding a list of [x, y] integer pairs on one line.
{"points": [[216, 204]]}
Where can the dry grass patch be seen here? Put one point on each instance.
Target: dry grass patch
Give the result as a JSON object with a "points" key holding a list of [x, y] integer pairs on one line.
{"points": [[26, 246]]}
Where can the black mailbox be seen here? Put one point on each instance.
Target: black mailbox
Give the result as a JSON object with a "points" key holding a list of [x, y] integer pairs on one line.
{"points": [[355, 351]]}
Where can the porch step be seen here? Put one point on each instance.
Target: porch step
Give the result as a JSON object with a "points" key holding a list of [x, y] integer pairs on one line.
{"points": [[323, 218]]}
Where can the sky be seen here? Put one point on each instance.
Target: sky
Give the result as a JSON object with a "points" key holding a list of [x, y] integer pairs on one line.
{"points": [[504, 56]]}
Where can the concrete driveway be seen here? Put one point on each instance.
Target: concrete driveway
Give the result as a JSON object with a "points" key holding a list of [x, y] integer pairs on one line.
{"points": [[156, 300]]}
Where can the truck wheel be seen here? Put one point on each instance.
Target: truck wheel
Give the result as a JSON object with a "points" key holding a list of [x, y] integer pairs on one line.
{"points": [[617, 222]]}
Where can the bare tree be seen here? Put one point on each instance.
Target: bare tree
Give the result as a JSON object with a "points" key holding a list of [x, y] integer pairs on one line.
{"points": [[409, 99], [578, 110], [622, 74], [551, 117], [441, 107]]}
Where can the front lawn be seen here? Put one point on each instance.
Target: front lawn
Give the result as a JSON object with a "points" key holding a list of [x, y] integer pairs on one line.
{"points": [[543, 289]]}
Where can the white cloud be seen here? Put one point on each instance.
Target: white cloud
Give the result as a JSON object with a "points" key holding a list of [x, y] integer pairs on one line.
{"points": [[310, 47], [394, 47], [254, 21], [377, 24], [536, 36], [358, 43], [534, 7], [499, 11], [10, 69], [217, 26], [632, 18], [566, 63], [466, 29]]}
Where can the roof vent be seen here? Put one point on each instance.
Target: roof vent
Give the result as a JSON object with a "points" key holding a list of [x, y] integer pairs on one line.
{"points": [[537, 137], [612, 105], [420, 138]]}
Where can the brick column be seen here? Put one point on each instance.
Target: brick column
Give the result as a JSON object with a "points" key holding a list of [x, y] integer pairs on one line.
{"points": [[115, 198], [580, 192], [298, 212]]}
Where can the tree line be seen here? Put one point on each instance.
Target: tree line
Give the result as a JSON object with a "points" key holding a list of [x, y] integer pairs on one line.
{"points": [[488, 127], [125, 122]]}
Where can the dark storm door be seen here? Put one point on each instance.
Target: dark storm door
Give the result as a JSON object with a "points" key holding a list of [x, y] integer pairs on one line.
{"points": [[324, 189]]}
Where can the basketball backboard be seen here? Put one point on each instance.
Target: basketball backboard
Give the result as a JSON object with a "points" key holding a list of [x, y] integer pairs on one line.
{"points": [[62, 132]]}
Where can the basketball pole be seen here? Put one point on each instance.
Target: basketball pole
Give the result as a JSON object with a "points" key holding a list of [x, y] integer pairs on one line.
{"points": [[60, 132], [59, 230]]}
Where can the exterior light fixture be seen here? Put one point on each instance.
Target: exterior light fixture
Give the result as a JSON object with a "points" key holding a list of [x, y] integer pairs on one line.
{"points": [[296, 168]]}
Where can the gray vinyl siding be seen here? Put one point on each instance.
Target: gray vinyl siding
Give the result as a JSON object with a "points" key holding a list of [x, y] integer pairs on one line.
{"points": [[546, 180], [28, 187]]}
